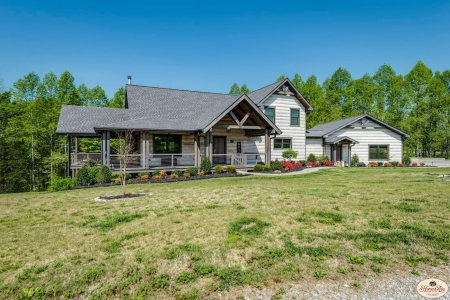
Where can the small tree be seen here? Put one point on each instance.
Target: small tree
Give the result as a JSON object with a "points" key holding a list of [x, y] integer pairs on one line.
{"points": [[289, 154], [206, 165], [355, 160], [124, 149], [311, 158]]}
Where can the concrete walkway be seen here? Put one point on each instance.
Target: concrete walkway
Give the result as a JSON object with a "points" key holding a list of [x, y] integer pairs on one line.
{"points": [[304, 171], [436, 162]]}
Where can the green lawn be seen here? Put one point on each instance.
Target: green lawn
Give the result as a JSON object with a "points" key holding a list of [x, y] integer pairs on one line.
{"points": [[190, 240]]}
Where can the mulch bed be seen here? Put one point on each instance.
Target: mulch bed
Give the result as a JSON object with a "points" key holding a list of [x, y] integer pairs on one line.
{"points": [[165, 180], [121, 197]]}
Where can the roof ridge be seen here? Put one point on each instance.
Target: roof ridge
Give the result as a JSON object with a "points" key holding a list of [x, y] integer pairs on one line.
{"points": [[155, 87], [71, 105], [267, 86]]}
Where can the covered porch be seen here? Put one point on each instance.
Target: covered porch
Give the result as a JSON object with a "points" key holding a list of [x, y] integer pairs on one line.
{"points": [[340, 150], [238, 137]]}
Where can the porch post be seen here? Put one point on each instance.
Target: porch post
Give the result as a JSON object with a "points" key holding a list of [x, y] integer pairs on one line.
{"points": [[267, 148], [196, 149], [334, 154], [69, 161], [210, 144], [147, 150], [103, 162], [108, 149], [207, 145], [349, 155], [142, 140]]}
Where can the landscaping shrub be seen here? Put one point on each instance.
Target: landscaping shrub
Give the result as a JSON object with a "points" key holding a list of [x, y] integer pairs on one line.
{"points": [[406, 160], [91, 162], [276, 165], [61, 184], [156, 173], [258, 168], [380, 164], [289, 154], [130, 180], [267, 168], [187, 175], [205, 165], [355, 160], [163, 174], [402, 165], [118, 180], [177, 172], [373, 164], [303, 162], [157, 177], [309, 164], [93, 173], [317, 164], [173, 176], [298, 165], [104, 174], [192, 171], [311, 158], [218, 169], [387, 164], [395, 163], [414, 164], [231, 169], [201, 173], [114, 176], [287, 166], [328, 163], [361, 164], [83, 178], [143, 174], [144, 178], [422, 164]]}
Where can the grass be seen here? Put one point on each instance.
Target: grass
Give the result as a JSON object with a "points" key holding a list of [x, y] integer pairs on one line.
{"points": [[191, 240]]}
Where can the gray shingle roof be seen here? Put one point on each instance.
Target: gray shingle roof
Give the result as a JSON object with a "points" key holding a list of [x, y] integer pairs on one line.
{"points": [[330, 127], [82, 119], [335, 139]]}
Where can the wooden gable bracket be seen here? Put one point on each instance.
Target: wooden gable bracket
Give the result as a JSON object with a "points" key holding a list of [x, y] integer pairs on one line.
{"points": [[241, 123]]}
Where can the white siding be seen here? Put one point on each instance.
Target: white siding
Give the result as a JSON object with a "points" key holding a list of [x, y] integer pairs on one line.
{"points": [[283, 105], [371, 136], [314, 146]]}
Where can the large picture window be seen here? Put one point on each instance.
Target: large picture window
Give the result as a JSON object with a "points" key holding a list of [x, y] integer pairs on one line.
{"points": [[379, 152], [282, 143], [270, 113], [295, 117], [166, 144]]}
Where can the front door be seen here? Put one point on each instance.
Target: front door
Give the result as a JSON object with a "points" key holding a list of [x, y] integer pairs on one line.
{"points": [[219, 147], [339, 155]]}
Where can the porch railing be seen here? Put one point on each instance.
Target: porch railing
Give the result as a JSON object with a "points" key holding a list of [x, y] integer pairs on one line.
{"points": [[181, 160], [134, 161], [78, 159]]}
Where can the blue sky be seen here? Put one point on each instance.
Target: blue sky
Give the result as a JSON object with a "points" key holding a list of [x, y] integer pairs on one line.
{"points": [[208, 45]]}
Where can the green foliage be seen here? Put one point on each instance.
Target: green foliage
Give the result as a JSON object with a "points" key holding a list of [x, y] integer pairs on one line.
{"points": [[193, 171], [104, 174], [329, 217], [177, 172], [278, 294], [319, 274], [361, 164], [406, 160], [311, 158], [267, 168], [408, 207], [114, 176], [355, 260], [355, 160], [218, 169], [93, 174], [83, 177], [241, 227], [111, 221], [231, 169], [258, 168], [140, 174], [289, 154], [61, 184], [205, 165], [395, 163], [276, 165]]}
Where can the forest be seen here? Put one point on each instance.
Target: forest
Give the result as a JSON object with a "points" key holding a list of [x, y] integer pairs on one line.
{"points": [[32, 156]]}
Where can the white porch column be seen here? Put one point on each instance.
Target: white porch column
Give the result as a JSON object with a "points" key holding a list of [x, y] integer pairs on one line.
{"points": [[147, 150], [108, 149], [142, 150], [103, 160], [267, 148], [197, 160]]}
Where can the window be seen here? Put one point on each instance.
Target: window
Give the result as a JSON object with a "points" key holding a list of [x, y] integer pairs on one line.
{"points": [[380, 152], [282, 144], [270, 113], [295, 117], [167, 143]]}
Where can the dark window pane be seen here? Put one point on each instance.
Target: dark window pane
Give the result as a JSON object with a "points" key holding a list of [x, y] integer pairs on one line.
{"points": [[286, 144], [383, 152], [294, 113], [294, 121], [277, 143], [160, 144], [373, 152], [174, 144], [270, 113], [294, 117]]}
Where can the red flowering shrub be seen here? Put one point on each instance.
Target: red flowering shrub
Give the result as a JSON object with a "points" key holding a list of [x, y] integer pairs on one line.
{"points": [[144, 178], [317, 164], [414, 164], [422, 164], [163, 174], [402, 165], [309, 164], [288, 166], [328, 163], [298, 165]]}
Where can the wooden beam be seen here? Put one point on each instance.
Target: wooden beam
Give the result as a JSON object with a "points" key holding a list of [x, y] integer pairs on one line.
{"points": [[69, 162], [267, 151], [245, 117], [233, 116], [239, 127]]}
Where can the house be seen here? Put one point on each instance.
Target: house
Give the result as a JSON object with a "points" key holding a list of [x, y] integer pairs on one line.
{"points": [[175, 129]]}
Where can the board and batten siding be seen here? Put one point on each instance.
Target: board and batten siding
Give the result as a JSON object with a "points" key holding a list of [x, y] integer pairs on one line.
{"points": [[314, 146], [371, 136], [283, 105]]}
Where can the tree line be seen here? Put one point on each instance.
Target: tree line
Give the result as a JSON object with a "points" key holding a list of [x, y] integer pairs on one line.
{"points": [[417, 103], [32, 155]]}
